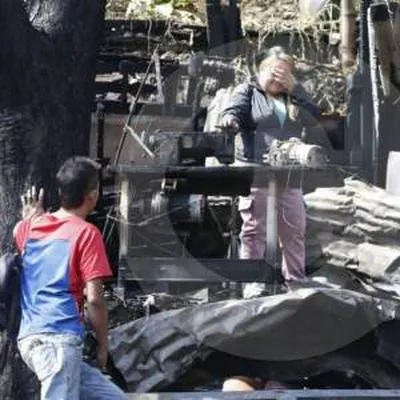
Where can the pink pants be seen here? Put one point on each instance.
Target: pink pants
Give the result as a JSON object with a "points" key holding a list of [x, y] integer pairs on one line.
{"points": [[291, 229]]}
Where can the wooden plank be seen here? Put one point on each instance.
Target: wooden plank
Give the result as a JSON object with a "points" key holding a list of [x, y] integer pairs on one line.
{"points": [[197, 270], [121, 86], [395, 9], [170, 93], [118, 107], [228, 180], [124, 206], [222, 172], [108, 63], [384, 42]]}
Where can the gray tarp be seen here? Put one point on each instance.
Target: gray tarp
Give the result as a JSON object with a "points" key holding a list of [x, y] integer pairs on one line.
{"points": [[153, 352]]}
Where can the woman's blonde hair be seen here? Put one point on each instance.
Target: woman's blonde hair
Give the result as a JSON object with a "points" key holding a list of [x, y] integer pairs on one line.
{"points": [[273, 55]]}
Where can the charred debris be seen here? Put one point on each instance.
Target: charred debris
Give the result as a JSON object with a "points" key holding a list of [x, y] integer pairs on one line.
{"points": [[155, 85]]}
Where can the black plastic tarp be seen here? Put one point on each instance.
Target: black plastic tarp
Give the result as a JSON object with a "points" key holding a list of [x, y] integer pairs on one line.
{"points": [[153, 352]]}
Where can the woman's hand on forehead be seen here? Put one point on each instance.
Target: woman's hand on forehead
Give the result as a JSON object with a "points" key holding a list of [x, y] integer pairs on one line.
{"points": [[283, 67]]}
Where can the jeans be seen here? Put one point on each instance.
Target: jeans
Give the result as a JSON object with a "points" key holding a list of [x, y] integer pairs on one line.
{"points": [[56, 359], [291, 229]]}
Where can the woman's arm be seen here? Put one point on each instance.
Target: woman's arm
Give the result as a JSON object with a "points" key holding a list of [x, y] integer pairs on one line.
{"points": [[239, 105], [309, 113]]}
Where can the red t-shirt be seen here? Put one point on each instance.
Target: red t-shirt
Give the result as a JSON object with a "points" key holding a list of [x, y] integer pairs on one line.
{"points": [[60, 256]]}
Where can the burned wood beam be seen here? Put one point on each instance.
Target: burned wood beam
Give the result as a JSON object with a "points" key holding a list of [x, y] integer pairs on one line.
{"points": [[120, 108], [118, 86], [348, 17], [197, 270], [384, 42], [215, 31], [233, 27], [395, 9], [110, 63]]}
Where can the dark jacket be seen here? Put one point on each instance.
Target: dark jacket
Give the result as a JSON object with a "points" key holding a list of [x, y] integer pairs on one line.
{"points": [[258, 122]]}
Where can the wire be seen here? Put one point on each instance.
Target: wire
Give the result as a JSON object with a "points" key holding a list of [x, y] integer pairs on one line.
{"points": [[156, 217], [145, 238], [135, 101]]}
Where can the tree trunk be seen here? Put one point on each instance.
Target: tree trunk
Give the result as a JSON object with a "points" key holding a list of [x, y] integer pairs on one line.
{"points": [[47, 66], [47, 63]]}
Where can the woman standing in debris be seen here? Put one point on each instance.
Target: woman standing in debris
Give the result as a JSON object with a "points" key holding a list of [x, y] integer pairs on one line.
{"points": [[271, 106]]}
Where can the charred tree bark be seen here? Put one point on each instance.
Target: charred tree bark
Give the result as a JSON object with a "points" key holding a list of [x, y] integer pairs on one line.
{"points": [[47, 63]]}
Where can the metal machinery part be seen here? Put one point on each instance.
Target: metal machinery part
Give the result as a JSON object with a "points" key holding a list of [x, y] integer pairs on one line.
{"points": [[191, 148], [180, 208], [296, 153], [175, 224], [188, 210]]}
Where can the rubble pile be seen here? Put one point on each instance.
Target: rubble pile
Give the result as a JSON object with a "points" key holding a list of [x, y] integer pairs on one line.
{"points": [[139, 306], [357, 227]]}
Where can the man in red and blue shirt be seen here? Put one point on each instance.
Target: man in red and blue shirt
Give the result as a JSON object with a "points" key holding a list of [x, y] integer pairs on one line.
{"points": [[63, 255]]}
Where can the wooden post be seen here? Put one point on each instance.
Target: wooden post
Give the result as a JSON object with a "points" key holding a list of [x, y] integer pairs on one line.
{"points": [[124, 234], [170, 93], [375, 95], [348, 33], [232, 27], [395, 8], [384, 42], [389, 109], [215, 31]]}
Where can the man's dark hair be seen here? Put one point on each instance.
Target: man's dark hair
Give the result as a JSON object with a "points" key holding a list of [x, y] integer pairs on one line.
{"points": [[77, 177]]}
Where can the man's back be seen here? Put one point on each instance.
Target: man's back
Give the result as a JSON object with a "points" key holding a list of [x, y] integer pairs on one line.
{"points": [[62, 256], [58, 260]]}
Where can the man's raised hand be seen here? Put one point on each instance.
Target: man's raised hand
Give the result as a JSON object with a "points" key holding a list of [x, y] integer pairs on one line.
{"points": [[32, 203]]}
